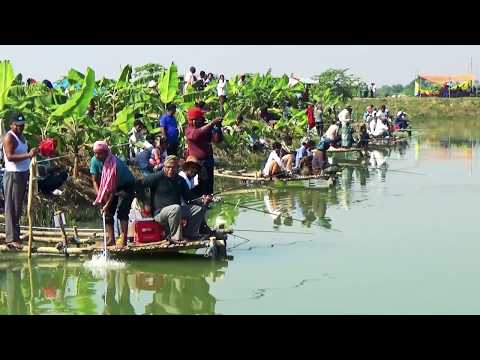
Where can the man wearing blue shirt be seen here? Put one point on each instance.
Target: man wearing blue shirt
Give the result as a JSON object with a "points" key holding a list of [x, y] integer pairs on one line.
{"points": [[304, 151], [169, 123]]}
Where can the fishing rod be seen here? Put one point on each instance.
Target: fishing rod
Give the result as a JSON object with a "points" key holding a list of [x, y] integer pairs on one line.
{"points": [[269, 213], [273, 231], [67, 156], [398, 170], [54, 158], [215, 194], [407, 172]]}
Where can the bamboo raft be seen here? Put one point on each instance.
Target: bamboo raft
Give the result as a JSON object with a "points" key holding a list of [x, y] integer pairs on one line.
{"points": [[87, 242], [319, 181], [334, 150]]}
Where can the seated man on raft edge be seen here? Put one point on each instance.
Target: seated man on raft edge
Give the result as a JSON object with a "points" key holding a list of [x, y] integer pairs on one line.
{"points": [[167, 190]]}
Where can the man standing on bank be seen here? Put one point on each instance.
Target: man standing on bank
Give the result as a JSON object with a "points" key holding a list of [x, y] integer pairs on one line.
{"points": [[169, 123], [17, 163]]}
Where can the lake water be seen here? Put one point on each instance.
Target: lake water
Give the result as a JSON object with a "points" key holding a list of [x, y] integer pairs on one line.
{"points": [[400, 239]]}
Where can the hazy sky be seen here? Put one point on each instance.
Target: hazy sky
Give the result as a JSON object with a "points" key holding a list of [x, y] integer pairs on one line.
{"points": [[382, 64]]}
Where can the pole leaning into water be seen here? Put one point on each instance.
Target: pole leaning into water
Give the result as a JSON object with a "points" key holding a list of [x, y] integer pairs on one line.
{"points": [[104, 238], [31, 190]]}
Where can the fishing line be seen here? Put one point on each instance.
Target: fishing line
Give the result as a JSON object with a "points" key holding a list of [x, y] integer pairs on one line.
{"points": [[54, 158], [269, 213], [273, 231]]}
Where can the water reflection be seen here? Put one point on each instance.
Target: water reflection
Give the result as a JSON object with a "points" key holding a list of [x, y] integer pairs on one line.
{"points": [[182, 285], [161, 286]]}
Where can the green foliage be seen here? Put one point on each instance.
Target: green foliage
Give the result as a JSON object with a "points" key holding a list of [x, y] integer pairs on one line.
{"points": [[124, 78], [168, 85], [52, 113], [75, 76], [341, 85], [142, 75], [78, 103], [6, 79]]}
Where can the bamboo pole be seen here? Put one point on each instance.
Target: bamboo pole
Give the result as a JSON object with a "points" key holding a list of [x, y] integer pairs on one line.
{"points": [[41, 228], [32, 294], [31, 190], [56, 234]]}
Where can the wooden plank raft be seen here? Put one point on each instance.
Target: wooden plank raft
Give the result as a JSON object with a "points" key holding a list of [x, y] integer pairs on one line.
{"points": [[256, 176], [85, 249], [333, 150], [129, 250]]}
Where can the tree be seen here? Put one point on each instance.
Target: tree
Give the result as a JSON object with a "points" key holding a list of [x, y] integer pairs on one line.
{"points": [[145, 73], [342, 85], [409, 89]]}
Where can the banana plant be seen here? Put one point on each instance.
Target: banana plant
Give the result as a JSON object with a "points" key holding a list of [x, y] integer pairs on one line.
{"points": [[70, 119], [7, 77]]}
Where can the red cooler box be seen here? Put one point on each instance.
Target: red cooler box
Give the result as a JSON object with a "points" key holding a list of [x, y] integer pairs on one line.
{"points": [[147, 231]]}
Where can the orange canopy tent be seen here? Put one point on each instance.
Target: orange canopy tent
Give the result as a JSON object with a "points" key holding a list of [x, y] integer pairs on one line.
{"points": [[442, 79]]}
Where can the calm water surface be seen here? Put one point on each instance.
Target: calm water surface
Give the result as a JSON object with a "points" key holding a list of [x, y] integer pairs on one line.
{"points": [[401, 238]]}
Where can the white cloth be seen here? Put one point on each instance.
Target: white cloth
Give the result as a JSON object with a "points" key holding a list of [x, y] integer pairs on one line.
{"points": [[372, 124], [332, 132], [189, 78], [344, 116], [381, 115], [380, 128], [22, 148], [221, 91], [273, 157]]}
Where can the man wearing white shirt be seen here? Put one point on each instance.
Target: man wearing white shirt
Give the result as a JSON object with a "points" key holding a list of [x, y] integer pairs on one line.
{"points": [[190, 78], [345, 115], [381, 128], [275, 164]]}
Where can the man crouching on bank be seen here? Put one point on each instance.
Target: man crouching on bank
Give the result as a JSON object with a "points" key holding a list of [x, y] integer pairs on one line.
{"points": [[167, 189]]}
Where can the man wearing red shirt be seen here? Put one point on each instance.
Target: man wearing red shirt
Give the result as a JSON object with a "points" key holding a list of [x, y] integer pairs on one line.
{"points": [[199, 136]]}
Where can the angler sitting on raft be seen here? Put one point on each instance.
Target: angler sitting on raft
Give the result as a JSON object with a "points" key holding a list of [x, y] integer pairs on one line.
{"points": [[304, 154], [114, 185], [332, 135], [401, 120], [167, 190], [275, 165]]}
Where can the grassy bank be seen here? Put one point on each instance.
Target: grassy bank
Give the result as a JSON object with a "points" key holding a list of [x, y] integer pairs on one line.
{"points": [[421, 109]]}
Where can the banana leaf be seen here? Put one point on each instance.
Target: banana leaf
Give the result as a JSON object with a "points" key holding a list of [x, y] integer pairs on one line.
{"points": [[75, 76], [124, 121], [125, 77], [168, 85], [6, 79], [79, 101]]}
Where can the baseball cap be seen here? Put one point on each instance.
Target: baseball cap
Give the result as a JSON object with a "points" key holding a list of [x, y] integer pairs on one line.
{"points": [[17, 117]]}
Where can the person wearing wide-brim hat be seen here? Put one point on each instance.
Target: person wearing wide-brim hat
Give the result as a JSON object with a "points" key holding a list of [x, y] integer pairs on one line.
{"points": [[168, 193], [190, 169]]}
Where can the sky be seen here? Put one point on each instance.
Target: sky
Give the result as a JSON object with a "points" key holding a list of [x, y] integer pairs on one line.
{"points": [[382, 64]]}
